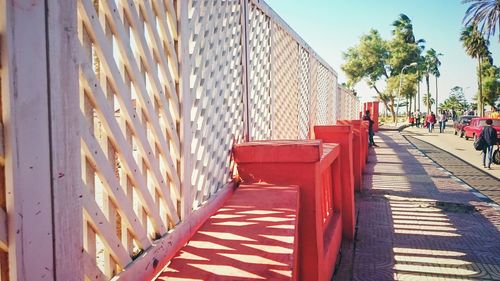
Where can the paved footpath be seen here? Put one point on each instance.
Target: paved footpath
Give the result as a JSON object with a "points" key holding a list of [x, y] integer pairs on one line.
{"points": [[416, 221]]}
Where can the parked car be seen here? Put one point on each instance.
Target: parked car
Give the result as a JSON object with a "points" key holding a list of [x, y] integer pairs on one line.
{"points": [[460, 124], [476, 125]]}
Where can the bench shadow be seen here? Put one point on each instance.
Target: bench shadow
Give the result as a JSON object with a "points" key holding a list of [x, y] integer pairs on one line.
{"points": [[243, 240]]}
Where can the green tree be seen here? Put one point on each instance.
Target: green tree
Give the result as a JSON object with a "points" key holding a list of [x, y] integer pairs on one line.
{"points": [[477, 47], [456, 100], [491, 83], [368, 60], [377, 60], [408, 87], [483, 13], [428, 101]]}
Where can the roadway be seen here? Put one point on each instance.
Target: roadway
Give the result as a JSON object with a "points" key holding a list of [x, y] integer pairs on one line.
{"points": [[458, 156]]}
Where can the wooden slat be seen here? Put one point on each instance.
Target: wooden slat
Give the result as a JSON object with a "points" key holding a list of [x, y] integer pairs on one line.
{"points": [[91, 269], [27, 140], [65, 142], [99, 222], [186, 132]]}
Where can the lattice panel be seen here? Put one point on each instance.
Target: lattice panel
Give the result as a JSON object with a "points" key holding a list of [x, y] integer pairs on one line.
{"points": [[259, 40], [285, 84], [333, 98], [130, 141], [4, 246], [325, 95], [313, 115], [304, 94], [217, 115]]}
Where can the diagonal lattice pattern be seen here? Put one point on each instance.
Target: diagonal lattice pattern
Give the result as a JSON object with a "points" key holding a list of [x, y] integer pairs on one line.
{"points": [[324, 91], [130, 142], [285, 84], [259, 48], [217, 114], [304, 93]]}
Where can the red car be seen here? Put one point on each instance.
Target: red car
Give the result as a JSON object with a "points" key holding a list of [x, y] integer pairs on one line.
{"points": [[477, 124], [461, 123]]}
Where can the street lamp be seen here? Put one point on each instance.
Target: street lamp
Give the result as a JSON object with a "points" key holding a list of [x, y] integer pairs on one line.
{"points": [[401, 82]]}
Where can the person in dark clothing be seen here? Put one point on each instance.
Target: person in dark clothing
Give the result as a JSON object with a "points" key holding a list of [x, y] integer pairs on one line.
{"points": [[489, 135], [370, 128]]}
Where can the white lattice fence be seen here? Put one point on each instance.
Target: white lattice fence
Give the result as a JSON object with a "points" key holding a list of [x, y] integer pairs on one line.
{"points": [[135, 105], [259, 51], [304, 75], [349, 105], [130, 140], [285, 84], [216, 86]]}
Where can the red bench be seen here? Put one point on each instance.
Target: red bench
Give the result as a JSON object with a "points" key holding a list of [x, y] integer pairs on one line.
{"points": [[253, 236], [315, 168]]}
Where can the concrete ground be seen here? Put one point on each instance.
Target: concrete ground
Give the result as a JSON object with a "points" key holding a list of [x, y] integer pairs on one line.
{"points": [[416, 221]]}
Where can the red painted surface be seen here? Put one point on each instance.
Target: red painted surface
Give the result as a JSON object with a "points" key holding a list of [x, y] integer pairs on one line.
{"points": [[186, 229], [315, 168], [253, 236], [357, 149], [373, 106], [342, 134]]}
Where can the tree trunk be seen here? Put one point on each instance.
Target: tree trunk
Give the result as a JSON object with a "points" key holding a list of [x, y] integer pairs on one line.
{"points": [[391, 109], [437, 103], [417, 100], [410, 99], [428, 94], [480, 106]]}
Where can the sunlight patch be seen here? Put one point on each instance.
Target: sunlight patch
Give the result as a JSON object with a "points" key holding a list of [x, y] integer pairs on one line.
{"points": [[253, 259]]}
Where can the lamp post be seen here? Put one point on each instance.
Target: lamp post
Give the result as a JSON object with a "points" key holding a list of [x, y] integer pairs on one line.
{"points": [[400, 83]]}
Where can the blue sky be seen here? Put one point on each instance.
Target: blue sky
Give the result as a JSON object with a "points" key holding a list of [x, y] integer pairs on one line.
{"points": [[332, 26]]}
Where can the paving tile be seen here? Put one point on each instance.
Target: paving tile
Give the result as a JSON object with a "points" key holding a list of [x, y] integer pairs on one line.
{"points": [[418, 221]]}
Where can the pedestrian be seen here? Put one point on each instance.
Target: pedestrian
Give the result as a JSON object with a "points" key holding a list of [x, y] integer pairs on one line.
{"points": [[412, 120], [442, 118], [489, 135], [371, 133], [430, 120], [418, 116]]}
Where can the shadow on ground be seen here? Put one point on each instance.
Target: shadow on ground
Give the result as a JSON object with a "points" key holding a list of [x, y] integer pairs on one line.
{"points": [[417, 222]]}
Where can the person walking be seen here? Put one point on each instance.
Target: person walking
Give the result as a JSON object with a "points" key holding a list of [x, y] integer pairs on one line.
{"points": [[418, 116], [371, 133], [442, 118], [430, 120], [489, 135]]}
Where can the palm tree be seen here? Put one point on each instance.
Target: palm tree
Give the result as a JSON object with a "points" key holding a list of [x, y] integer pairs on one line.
{"points": [[428, 102], [403, 26], [431, 67], [477, 47], [485, 14], [433, 63]]}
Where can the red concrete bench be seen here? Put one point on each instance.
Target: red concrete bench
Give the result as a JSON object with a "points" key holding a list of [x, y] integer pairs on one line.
{"points": [[253, 236], [342, 134], [315, 168], [360, 149]]}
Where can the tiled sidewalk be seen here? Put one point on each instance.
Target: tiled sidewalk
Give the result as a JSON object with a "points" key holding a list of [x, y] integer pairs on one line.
{"points": [[417, 222]]}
